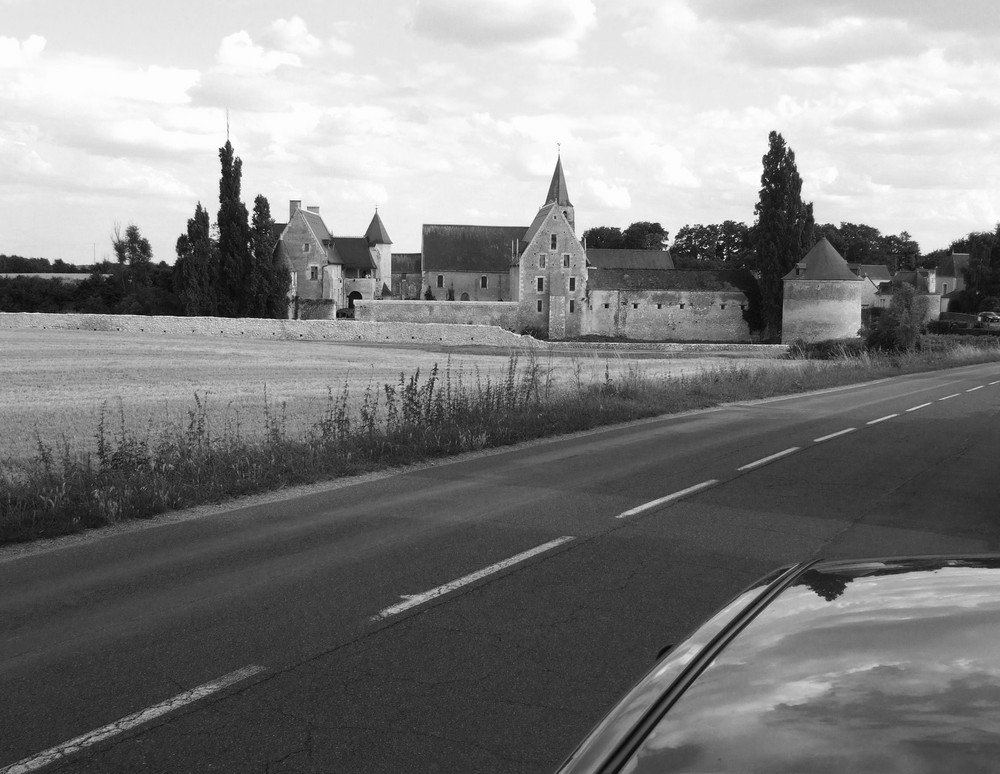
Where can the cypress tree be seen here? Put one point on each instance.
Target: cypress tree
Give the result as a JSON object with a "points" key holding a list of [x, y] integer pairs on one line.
{"points": [[196, 272], [235, 259], [783, 231], [271, 278]]}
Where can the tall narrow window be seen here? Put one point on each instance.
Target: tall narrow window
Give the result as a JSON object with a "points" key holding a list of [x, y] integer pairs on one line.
{"points": [[572, 306], [553, 242], [483, 281], [314, 272], [305, 247], [540, 284], [541, 261], [572, 284], [440, 280], [539, 305], [565, 260]]}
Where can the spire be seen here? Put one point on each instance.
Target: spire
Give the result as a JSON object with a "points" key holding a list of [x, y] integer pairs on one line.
{"points": [[557, 188], [376, 233]]}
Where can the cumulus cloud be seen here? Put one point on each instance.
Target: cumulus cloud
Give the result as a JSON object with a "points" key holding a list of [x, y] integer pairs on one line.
{"points": [[552, 30], [16, 53], [607, 195], [238, 53]]}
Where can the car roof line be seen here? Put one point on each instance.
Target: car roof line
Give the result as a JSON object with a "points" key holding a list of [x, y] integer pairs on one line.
{"points": [[636, 736]]}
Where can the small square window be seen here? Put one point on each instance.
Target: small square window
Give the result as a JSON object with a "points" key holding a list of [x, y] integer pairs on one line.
{"points": [[540, 284], [572, 283], [607, 306], [743, 307], [723, 306], [572, 306], [681, 306], [440, 280], [635, 306], [659, 306], [538, 305], [565, 260], [552, 242], [314, 272], [484, 281], [541, 261]]}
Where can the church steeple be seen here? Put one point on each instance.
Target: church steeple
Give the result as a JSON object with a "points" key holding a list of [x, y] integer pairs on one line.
{"points": [[557, 188]]}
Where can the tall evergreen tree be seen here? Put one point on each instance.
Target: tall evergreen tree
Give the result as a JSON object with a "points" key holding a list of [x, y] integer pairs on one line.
{"points": [[783, 231], [196, 272], [271, 278], [235, 258]]}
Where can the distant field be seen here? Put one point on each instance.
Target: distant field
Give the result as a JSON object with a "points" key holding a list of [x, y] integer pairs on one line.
{"points": [[53, 383]]}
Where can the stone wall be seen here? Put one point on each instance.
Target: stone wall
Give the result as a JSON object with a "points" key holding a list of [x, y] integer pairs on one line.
{"points": [[468, 282], [815, 310], [677, 315], [311, 330], [503, 314]]}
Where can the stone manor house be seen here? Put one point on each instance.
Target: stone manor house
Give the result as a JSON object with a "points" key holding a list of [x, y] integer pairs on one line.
{"points": [[539, 278]]}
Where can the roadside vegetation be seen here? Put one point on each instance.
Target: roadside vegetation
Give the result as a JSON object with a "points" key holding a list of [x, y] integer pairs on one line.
{"points": [[209, 457]]}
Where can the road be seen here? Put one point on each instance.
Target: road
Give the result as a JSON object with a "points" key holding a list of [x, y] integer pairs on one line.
{"points": [[477, 615]]}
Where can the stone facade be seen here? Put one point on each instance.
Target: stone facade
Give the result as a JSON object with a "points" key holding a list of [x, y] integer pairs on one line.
{"points": [[814, 310], [679, 315], [468, 286]]}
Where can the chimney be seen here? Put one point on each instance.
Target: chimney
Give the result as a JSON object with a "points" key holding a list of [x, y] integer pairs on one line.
{"points": [[313, 209], [293, 205], [932, 280]]}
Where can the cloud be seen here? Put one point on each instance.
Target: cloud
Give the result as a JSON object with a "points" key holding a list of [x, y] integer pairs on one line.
{"points": [[551, 30], [238, 53], [607, 195], [14, 53]]}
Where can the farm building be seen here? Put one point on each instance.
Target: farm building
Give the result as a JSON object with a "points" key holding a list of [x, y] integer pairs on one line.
{"points": [[821, 297]]}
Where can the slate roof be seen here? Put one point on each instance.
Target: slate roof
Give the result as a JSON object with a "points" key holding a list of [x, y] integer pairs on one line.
{"points": [[317, 225], [406, 263], [601, 258], [953, 265], [876, 272], [471, 248], [536, 224], [558, 193], [353, 252], [376, 233], [717, 280], [823, 262]]}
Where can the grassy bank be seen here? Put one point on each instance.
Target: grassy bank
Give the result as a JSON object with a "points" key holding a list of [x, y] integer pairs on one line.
{"points": [[208, 457]]}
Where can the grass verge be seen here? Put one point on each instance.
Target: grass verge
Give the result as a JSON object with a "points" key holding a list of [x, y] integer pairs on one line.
{"points": [[208, 458]]}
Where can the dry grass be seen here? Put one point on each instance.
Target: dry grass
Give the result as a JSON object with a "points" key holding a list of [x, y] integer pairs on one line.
{"points": [[53, 384]]}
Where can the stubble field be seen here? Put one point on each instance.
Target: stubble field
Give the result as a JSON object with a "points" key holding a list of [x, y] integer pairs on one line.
{"points": [[54, 384]]}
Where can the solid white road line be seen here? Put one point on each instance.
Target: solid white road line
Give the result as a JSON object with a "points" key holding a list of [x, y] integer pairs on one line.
{"points": [[975, 388], [881, 419], [833, 435], [996, 382], [949, 397], [668, 499], [915, 408], [765, 460], [129, 722], [412, 600]]}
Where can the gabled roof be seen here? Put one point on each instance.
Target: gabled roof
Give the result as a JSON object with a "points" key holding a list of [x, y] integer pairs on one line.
{"points": [[406, 263], [907, 277], [536, 224], [471, 248], [558, 193], [823, 262], [953, 265], [353, 252], [316, 224], [716, 280], [876, 272], [602, 258], [376, 233]]}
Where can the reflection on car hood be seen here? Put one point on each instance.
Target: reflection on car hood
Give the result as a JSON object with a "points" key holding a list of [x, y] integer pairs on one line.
{"points": [[888, 666]]}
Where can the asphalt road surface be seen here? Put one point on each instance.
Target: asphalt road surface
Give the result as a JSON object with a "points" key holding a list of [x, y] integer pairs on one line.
{"points": [[478, 615]]}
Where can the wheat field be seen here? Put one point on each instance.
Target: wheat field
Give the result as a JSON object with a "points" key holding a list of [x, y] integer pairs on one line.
{"points": [[54, 384]]}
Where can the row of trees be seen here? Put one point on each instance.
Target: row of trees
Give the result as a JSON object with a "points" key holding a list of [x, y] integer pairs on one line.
{"points": [[237, 274]]}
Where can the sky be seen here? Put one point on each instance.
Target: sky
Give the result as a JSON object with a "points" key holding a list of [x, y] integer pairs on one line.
{"points": [[453, 111]]}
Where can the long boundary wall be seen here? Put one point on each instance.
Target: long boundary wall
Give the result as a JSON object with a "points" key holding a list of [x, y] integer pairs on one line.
{"points": [[253, 328]]}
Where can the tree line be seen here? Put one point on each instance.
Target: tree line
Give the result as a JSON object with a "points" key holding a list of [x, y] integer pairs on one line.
{"points": [[229, 270]]}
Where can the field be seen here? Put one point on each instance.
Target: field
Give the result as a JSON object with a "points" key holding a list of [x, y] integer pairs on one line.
{"points": [[54, 384]]}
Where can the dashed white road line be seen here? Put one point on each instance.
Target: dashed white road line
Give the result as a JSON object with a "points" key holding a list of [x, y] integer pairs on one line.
{"points": [[129, 722], [669, 498], [949, 397], [882, 419], [917, 408], [771, 458], [975, 388], [833, 435], [412, 600], [996, 382]]}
